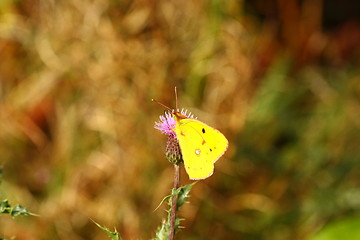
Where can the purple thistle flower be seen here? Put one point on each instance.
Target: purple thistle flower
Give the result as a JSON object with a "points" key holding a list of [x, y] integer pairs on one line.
{"points": [[167, 122]]}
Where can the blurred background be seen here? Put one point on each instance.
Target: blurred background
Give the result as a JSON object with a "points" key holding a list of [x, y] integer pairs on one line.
{"points": [[279, 78]]}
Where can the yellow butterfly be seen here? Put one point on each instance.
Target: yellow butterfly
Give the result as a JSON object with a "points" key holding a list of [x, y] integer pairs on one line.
{"points": [[201, 145]]}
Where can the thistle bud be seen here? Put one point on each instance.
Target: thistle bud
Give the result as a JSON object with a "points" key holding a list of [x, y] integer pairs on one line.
{"points": [[172, 151]]}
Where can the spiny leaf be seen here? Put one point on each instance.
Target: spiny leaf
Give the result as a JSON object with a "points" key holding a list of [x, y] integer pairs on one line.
{"points": [[163, 232], [182, 193], [18, 210], [113, 235]]}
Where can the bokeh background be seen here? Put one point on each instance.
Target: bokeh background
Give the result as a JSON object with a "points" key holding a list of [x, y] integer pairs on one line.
{"points": [[279, 78]]}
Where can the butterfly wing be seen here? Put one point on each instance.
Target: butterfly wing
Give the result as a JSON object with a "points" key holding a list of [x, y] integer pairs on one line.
{"points": [[201, 146]]}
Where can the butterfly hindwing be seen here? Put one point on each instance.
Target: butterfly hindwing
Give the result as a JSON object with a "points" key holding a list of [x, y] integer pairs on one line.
{"points": [[215, 141], [201, 145]]}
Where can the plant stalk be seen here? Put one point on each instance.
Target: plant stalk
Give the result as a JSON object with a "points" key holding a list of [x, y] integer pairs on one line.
{"points": [[174, 202]]}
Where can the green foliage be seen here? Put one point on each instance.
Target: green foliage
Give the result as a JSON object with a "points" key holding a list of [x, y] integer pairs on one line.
{"points": [[163, 231], [18, 210], [113, 235], [182, 194], [347, 228], [6, 208]]}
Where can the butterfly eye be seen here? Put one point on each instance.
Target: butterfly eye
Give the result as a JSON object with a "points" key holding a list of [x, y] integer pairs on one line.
{"points": [[203, 130]]}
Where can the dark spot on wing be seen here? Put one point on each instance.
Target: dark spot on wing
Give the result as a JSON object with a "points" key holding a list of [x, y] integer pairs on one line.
{"points": [[210, 150], [203, 130]]}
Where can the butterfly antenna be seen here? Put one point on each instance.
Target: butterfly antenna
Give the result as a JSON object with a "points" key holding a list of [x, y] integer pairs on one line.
{"points": [[176, 100], [161, 104]]}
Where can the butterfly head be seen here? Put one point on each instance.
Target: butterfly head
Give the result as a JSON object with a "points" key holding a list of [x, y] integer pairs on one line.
{"points": [[178, 115], [183, 114]]}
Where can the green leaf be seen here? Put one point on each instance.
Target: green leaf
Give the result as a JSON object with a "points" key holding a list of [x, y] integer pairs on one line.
{"points": [[18, 210], [113, 235], [4, 206], [183, 194]]}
